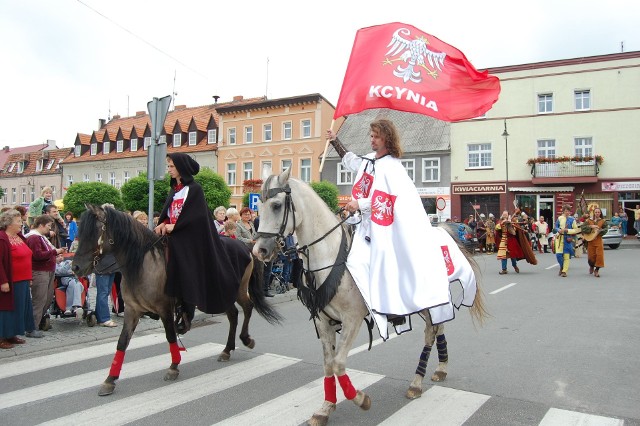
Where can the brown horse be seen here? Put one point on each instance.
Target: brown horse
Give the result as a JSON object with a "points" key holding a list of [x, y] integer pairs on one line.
{"points": [[328, 290], [140, 253]]}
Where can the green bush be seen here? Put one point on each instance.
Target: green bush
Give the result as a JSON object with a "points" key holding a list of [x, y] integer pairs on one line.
{"points": [[216, 191], [83, 193], [328, 192], [135, 193]]}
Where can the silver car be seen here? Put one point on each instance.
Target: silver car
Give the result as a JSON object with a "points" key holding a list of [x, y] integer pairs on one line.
{"points": [[613, 237]]}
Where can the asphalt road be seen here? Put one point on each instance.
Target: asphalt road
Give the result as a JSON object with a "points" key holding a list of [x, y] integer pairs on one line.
{"points": [[555, 351]]}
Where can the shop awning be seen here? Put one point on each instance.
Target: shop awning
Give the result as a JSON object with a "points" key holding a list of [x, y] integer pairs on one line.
{"points": [[541, 189]]}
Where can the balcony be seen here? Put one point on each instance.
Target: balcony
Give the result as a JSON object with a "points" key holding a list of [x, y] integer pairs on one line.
{"points": [[565, 169]]}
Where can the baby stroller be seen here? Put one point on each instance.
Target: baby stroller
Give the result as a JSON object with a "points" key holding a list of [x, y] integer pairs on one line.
{"points": [[278, 283], [63, 278]]}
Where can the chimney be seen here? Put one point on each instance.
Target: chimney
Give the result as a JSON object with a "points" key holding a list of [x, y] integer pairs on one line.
{"points": [[179, 107], [101, 123], [215, 99], [140, 113], [238, 98], [116, 116], [51, 144], [6, 148]]}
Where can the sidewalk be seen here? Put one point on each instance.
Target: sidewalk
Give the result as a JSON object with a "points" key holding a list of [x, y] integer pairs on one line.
{"points": [[69, 331]]}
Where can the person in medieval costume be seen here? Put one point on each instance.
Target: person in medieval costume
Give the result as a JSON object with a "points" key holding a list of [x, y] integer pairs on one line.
{"points": [[198, 269], [566, 227], [400, 263], [595, 249], [490, 242], [513, 242]]}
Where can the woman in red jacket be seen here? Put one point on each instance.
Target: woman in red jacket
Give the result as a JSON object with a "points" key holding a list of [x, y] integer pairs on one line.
{"points": [[15, 275]]}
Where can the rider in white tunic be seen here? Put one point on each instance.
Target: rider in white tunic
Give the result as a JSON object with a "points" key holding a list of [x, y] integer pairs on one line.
{"points": [[400, 263]]}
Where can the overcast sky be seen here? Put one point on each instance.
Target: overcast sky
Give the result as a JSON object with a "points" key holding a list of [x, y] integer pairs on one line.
{"points": [[67, 63]]}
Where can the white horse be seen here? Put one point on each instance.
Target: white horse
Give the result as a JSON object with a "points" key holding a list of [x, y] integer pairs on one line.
{"points": [[327, 288]]}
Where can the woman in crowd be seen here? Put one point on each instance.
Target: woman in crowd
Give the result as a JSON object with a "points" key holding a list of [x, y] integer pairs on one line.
{"points": [[141, 217], [246, 231], [44, 260], [219, 215], [25, 222], [37, 206], [72, 229], [624, 222], [16, 313], [595, 248]]}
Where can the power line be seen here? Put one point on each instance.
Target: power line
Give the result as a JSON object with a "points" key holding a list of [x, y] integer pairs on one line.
{"points": [[142, 39]]}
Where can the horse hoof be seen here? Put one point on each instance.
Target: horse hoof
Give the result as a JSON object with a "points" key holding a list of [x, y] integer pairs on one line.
{"points": [[438, 376], [106, 389], [362, 400], [413, 393], [172, 374], [318, 420], [251, 344], [224, 357]]}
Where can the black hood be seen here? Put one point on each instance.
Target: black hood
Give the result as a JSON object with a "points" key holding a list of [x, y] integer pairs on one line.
{"points": [[186, 166]]}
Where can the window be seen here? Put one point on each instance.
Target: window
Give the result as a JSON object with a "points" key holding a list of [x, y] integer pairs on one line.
{"points": [[547, 148], [69, 180], [345, 176], [286, 130], [58, 163], [267, 135], [161, 139], [545, 103], [77, 150], [50, 164], [247, 170], [583, 147], [39, 165], [94, 149], [212, 136], [106, 147], [583, 100], [231, 174], [266, 168], [33, 194], [98, 177], [479, 155], [13, 195], [85, 177], [20, 167], [231, 136], [177, 140], [306, 129], [305, 170], [285, 165], [23, 195], [134, 144], [126, 176], [112, 178], [248, 134], [119, 145], [431, 170], [4, 195], [13, 166], [193, 138], [410, 167], [147, 142]]}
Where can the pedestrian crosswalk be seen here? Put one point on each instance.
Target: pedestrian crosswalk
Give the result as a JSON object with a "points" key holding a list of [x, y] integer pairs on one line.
{"points": [[75, 399]]}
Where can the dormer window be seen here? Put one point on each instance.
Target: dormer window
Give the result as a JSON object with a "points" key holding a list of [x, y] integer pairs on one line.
{"points": [[58, 164], [94, 148], [50, 164], [212, 136], [13, 166], [106, 147], [119, 145], [147, 142], [20, 167], [192, 138], [134, 144], [39, 165], [77, 150], [177, 140]]}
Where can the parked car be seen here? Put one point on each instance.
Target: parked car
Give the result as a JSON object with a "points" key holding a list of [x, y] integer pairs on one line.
{"points": [[463, 233], [613, 237]]}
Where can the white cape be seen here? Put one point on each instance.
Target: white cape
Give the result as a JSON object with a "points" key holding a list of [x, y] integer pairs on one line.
{"points": [[400, 267]]}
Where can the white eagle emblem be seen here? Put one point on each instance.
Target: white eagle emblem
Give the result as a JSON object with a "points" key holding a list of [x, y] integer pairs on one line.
{"points": [[382, 208], [415, 53]]}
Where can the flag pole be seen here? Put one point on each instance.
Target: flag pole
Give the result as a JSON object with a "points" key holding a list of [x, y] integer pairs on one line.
{"points": [[326, 147]]}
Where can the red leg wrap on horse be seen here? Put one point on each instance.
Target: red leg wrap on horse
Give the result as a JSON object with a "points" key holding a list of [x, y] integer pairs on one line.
{"points": [[175, 353], [330, 389], [116, 364], [347, 387]]}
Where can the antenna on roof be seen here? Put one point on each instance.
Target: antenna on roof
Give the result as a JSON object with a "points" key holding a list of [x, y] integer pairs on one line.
{"points": [[622, 47], [215, 99], [109, 115], [173, 92], [266, 89], [127, 105]]}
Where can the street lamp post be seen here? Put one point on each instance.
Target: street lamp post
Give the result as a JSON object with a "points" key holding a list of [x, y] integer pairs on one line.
{"points": [[505, 135]]}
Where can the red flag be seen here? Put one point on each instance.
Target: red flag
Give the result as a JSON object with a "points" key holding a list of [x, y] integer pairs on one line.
{"points": [[398, 66]]}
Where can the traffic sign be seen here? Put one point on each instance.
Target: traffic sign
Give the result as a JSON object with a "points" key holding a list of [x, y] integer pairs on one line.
{"points": [[253, 201]]}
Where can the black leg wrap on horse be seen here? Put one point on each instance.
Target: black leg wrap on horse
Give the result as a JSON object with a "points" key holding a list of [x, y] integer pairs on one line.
{"points": [[424, 358], [184, 314], [443, 355]]}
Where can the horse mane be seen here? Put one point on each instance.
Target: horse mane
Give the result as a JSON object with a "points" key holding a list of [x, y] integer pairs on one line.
{"points": [[132, 239]]}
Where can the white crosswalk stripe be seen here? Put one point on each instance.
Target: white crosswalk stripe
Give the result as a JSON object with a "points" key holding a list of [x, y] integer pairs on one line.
{"points": [[293, 407]]}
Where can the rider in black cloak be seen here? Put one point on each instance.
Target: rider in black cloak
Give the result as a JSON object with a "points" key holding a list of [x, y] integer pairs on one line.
{"points": [[199, 269]]}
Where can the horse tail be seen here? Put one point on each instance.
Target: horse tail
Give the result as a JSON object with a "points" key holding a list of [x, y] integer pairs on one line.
{"points": [[478, 310], [256, 293]]}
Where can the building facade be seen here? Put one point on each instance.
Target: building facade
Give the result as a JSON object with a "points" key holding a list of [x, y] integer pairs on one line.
{"points": [[560, 130]]}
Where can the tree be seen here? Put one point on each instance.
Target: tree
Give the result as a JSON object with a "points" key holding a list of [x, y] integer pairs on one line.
{"points": [[135, 193], [328, 192], [83, 193], [216, 191]]}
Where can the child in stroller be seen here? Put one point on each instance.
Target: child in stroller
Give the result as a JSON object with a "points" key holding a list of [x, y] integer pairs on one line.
{"points": [[70, 295]]}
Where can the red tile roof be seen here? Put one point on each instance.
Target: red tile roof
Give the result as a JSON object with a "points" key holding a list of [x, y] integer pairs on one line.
{"points": [[50, 161], [6, 152]]}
